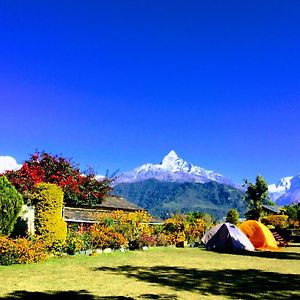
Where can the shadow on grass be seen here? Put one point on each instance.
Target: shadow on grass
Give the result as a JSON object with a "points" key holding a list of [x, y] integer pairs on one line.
{"points": [[77, 295], [273, 254], [236, 284], [265, 254]]}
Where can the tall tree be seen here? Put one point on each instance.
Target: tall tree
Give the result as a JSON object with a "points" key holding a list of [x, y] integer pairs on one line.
{"points": [[255, 197]]}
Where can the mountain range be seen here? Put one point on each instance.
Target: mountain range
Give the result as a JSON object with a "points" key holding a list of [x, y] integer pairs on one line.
{"points": [[176, 185], [172, 169]]}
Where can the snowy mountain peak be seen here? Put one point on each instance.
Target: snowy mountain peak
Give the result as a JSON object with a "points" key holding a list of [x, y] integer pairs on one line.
{"points": [[283, 185], [171, 156], [174, 169], [286, 191]]}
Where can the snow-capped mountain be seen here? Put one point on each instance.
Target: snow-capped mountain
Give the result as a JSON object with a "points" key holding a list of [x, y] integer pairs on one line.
{"points": [[286, 191], [173, 169]]}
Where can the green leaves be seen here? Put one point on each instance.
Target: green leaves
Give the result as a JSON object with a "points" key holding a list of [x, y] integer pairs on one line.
{"points": [[256, 195], [10, 206]]}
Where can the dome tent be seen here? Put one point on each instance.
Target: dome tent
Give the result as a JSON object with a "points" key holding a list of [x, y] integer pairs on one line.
{"points": [[259, 235], [226, 237]]}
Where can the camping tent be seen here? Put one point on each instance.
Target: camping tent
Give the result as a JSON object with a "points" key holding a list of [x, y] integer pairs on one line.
{"points": [[259, 235], [226, 237]]}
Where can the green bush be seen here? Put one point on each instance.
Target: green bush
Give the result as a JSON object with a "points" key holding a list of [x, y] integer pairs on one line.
{"points": [[48, 202], [233, 216], [78, 240], [10, 206]]}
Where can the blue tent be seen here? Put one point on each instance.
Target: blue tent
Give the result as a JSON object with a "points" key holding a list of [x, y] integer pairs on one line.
{"points": [[226, 237]]}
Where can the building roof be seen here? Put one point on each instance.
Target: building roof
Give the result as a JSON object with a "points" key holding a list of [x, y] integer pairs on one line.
{"points": [[267, 208], [114, 202], [90, 215], [272, 208]]}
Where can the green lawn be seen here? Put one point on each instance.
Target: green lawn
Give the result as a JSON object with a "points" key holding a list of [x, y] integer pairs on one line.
{"points": [[159, 273]]}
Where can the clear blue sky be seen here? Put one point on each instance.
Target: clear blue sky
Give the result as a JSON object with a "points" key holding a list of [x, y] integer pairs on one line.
{"points": [[115, 84]]}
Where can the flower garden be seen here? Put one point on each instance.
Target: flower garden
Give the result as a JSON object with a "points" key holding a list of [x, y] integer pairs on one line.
{"points": [[47, 183]]}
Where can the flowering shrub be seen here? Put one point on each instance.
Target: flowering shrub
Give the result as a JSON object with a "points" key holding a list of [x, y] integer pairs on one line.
{"points": [[147, 240], [175, 228], [162, 239], [103, 237], [278, 221], [21, 250], [131, 225], [78, 189], [190, 227]]}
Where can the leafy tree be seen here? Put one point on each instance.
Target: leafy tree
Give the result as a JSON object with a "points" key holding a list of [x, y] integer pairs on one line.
{"points": [[10, 206], [255, 197], [79, 189], [232, 216], [293, 213]]}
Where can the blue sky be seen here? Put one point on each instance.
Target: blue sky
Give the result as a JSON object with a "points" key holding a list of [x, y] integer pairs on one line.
{"points": [[115, 84]]}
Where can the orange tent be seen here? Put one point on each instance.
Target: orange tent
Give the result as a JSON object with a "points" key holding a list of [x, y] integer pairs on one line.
{"points": [[259, 235]]}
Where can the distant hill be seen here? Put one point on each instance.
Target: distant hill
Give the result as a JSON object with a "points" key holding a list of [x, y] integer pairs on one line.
{"points": [[162, 198]]}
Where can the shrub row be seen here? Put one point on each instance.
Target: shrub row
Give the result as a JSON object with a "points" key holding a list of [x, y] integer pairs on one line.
{"points": [[21, 250], [115, 230]]}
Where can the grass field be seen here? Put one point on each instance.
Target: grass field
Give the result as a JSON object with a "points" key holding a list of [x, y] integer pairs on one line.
{"points": [[159, 273]]}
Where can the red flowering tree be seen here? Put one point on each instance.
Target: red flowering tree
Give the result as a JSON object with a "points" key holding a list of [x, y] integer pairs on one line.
{"points": [[79, 189]]}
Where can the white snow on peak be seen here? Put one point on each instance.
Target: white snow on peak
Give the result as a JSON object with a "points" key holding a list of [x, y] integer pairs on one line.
{"points": [[283, 185], [171, 156], [8, 163], [286, 191], [172, 168]]}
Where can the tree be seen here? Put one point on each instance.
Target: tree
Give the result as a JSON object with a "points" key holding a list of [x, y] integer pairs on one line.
{"points": [[232, 216], [79, 189], [255, 197], [293, 213], [10, 206]]}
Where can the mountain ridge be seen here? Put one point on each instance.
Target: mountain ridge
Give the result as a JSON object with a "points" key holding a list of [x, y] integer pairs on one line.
{"points": [[172, 169]]}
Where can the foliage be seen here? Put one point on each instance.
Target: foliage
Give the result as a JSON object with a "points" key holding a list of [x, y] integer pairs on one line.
{"points": [[293, 213], [48, 201], [10, 206], [132, 225], [104, 237], [79, 189], [233, 216], [21, 250], [77, 240], [190, 227], [163, 199], [278, 221], [256, 195]]}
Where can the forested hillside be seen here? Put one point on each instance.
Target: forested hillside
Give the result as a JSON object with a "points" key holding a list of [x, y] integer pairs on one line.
{"points": [[164, 198]]}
